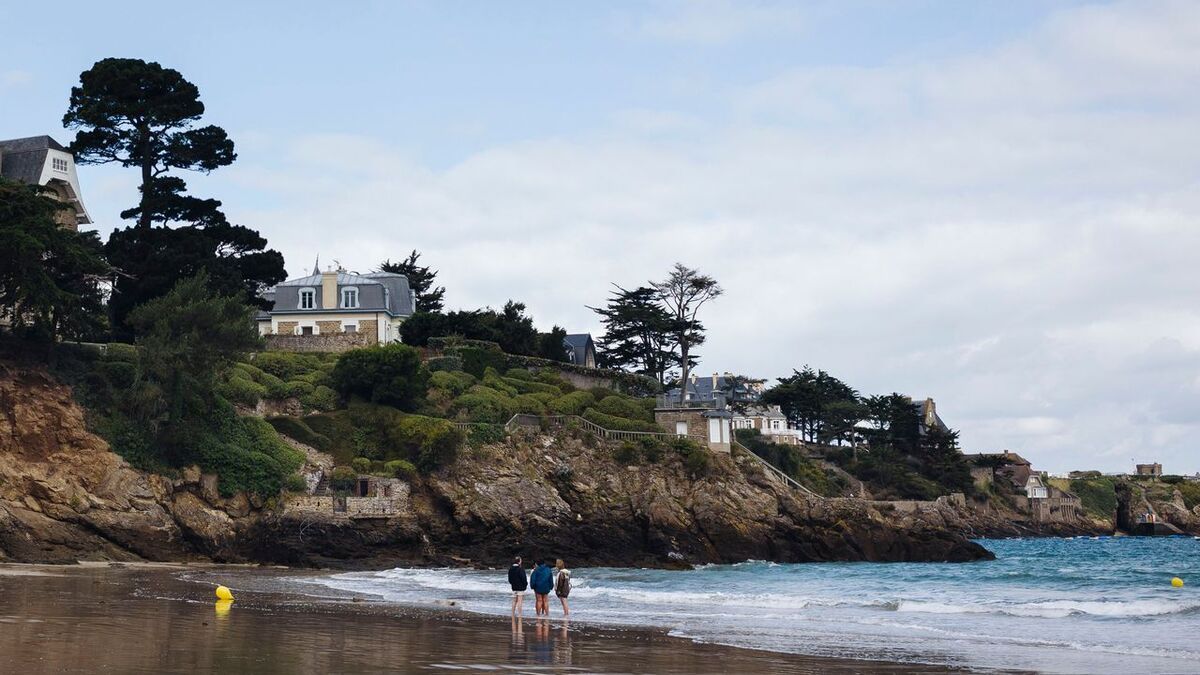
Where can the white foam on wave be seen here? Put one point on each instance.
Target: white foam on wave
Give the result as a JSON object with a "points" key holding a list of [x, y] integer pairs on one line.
{"points": [[1055, 609]]}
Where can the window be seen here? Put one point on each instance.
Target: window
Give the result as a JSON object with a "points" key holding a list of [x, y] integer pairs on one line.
{"points": [[349, 328], [350, 298], [59, 164], [306, 330], [308, 298]]}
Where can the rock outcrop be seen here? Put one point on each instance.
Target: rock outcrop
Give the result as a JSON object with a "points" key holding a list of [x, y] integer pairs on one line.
{"points": [[64, 496]]}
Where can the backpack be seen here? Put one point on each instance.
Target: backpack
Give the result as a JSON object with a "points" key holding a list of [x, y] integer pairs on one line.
{"points": [[563, 584]]}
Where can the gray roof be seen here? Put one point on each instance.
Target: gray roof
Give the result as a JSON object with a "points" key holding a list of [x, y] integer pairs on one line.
{"points": [[701, 388], [377, 292], [577, 346], [22, 159]]}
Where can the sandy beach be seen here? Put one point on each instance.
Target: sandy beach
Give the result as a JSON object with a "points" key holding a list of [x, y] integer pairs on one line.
{"points": [[163, 618]]}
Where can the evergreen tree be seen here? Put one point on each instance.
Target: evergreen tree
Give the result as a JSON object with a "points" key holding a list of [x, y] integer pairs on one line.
{"points": [[637, 334], [550, 345], [682, 294], [51, 278], [420, 280]]}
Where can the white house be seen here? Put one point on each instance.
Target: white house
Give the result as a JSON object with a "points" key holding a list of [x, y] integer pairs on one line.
{"points": [[41, 160], [362, 309]]}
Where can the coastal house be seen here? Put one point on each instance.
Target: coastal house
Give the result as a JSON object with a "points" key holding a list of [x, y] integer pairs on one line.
{"points": [[581, 349], [41, 160], [336, 310], [735, 390], [768, 421], [704, 421], [927, 410]]}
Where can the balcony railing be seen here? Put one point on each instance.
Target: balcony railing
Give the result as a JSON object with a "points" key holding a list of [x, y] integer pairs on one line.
{"points": [[672, 401]]}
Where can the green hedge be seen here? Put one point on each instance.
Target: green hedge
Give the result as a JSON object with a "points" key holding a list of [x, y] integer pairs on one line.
{"points": [[299, 430], [619, 406], [288, 365], [574, 403], [619, 423], [321, 398]]}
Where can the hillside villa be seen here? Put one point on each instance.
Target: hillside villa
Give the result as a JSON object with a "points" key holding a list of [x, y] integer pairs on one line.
{"points": [[336, 310], [41, 160]]}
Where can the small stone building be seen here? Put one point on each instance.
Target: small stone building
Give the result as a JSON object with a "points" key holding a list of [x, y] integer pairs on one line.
{"points": [[706, 425], [1154, 470]]}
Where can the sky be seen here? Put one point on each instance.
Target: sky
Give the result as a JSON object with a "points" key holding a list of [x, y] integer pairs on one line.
{"points": [[993, 204]]}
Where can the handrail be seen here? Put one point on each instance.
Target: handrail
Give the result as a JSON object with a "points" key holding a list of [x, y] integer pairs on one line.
{"points": [[526, 420], [790, 481]]}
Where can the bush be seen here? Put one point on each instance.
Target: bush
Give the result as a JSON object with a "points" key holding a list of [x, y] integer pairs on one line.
{"points": [[573, 404], [361, 464], [389, 374], [241, 390], [322, 398], [697, 460], [298, 388], [476, 359], [119, 374], [619, 423], [401, 468], [298, 430], [652, 449], [529, 405], [493, 380], [296, 483], [482, 404], [483, 434], [626, 453], [287, 365], [1190, 490], [120, 352], [618, 406], [519, 374], [435, 441], [342, 478], [453, 382], [248, 455], [444, 364]]}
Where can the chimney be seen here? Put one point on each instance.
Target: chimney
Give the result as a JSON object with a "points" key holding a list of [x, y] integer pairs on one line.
{"points": [[930, 412], [329, 289]]}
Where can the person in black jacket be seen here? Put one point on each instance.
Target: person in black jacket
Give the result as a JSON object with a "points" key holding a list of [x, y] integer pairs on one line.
{"points": [[519, 583]]}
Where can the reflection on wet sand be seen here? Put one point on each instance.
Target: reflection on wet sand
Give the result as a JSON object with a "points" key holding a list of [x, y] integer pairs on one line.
{"points": [[149, 620]]}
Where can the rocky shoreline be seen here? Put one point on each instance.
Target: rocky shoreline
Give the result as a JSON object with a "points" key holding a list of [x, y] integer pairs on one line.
{"points": [[64, 496]]}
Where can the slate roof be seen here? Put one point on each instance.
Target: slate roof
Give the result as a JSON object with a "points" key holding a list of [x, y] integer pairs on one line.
{"points": [[701, 389], [577, 345], [397, 300], [22, 159]]}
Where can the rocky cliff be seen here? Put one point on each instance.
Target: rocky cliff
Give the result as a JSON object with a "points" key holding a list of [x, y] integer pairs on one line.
{"points": [[65, 496]]}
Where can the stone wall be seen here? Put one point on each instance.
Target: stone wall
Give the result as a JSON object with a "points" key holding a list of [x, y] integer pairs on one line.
{"points": [[325, 342], [697, 424], [320, 503], [328, 327]]}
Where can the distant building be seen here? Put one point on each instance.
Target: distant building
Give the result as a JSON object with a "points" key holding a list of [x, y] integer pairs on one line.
{"points": [[768, 421], [733, 389], [41, 160], [1154, 470], [336, 310], [927, 410], [581, 350]]}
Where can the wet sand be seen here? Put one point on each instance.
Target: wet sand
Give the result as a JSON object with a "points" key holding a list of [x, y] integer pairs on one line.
{"points": [[164, 619]]}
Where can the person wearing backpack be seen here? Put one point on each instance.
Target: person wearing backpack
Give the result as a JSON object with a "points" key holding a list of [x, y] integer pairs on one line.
{"points": [[562, 584], [516, 579], [542, 582]]}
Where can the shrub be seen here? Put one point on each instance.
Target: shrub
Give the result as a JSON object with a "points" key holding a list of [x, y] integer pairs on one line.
{"points": [[482, 434], [652, 449], [389, 374], [619, 423], [453, 382], [118, 374], [121, 352], [361, 465], [287, 365], [342, 478], [1190, 490], [444, 364], [519, 374], [297, 429], [697, 460], [626, 453], [248, 455], [298, 388], [295, 483], [401, 468], [241, 390], [600, 393], [619, 406], [482, 404], [322, 398], [573, 404], [476, 359], [529, 405], [436, 441]]}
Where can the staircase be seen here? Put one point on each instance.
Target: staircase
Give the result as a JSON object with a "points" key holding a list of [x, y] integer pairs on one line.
{"points": [[772, 469]]}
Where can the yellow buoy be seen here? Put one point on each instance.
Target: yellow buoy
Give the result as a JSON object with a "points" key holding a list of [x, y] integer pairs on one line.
{"points": [[1177, 582], [223, 606], [224, 593]]}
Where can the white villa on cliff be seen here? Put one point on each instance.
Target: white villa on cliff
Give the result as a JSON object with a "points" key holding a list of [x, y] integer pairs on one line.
{"points": [[336, 310]]}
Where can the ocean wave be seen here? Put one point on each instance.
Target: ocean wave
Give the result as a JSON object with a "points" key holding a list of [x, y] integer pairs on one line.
{"points": [[1056, 609]]}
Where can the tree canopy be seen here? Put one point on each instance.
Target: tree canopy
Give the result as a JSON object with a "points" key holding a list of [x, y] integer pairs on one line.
{"points": [[51, 278], [682, 294], [637, 333], [420, 280], [142, 115], [510, 327]]}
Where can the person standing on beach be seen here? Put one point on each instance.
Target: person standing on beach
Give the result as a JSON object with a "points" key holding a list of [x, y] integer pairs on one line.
{"points": [[562, 584], [518, 581], [542, 581]]}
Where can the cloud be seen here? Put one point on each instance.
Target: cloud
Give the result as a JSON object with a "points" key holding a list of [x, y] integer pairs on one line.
{"points": [[1011, 231], [15, 78], [713, 22]]}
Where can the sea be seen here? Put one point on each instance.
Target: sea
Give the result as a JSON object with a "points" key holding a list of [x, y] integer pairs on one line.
{"points": [[1076, 605]]}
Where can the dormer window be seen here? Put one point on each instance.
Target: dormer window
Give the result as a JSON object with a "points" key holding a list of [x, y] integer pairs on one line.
{"points": [[349, 298], [308, 298], [59, 164]]}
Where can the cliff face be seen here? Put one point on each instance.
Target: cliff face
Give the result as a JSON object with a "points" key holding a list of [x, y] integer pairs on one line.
{"points": [[65, 496]]}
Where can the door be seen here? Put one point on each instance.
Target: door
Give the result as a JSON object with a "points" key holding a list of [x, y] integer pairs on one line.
{"points": [[681, 428]]}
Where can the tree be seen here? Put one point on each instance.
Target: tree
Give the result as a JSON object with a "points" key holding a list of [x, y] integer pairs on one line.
{"points": [[151, 261], [187, 337], [637, 333], [896, 422], [420, 280], [389, 374], [824, 408], [51, 278], [550, 345], [142, 115], [682, 294], [511, 328]]}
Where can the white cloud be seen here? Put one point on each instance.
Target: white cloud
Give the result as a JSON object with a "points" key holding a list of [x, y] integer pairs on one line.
{"points": [[1012, 232]]}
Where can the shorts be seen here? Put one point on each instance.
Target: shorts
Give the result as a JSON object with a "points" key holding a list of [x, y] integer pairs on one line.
{"points": [[518, 594]]}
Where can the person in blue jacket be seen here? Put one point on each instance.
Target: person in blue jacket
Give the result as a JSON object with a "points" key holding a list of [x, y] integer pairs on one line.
{"points": [[516, 579], [542, 582]]}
